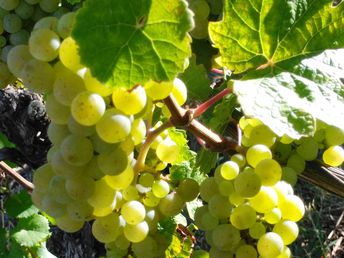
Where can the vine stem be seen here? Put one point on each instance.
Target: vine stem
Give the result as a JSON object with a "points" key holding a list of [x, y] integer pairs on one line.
{"points": [[207, 104], [16, 176], [140, 162]]}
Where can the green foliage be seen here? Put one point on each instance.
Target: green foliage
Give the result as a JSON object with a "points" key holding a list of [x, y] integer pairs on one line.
{"points": [[20, 206]]}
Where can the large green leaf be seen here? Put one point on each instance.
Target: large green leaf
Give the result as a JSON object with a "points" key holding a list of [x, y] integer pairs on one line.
{"points": [[290, 97], [20, 205], [263, 33], [129, 42]]}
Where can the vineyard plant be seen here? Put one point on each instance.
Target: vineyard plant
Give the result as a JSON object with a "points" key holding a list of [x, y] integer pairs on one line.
{"points": [[161, 122]]}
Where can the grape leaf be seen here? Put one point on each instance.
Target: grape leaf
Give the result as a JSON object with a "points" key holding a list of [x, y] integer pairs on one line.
{"points": [[263, 33], [20, 205], [125, 43], [290, 97], [31, 230], [42, 251], [192, 206], [4, 142]]}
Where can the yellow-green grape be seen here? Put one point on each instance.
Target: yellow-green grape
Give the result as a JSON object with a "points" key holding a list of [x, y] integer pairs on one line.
{"points": [[77, 150], [57, 190], [209, 221], [131, 193], [48, 23], [113, 127], [239, 159], [333, 156], [101, 146], [123, 180], [51, 152], [200, 31], [334, 135], [247, 183], [208, 188], [229, 170], [160, 188], [283, 189], [93, 85], [246, 251], [257, 230], [80, 188], [257, 153], [68, 224], [38, 76], [65, 24], [292, 208], [9, 5], [52, 207], [297, 163], [286, 253], [226, 188], [273, 216], [107, 229], [225, 237], [188, 189], [171, 204], [219, 206], [64, 169], [261, 134], [270, 245], [17, 57], [281, 152], [49, 6], [129, 102], [158, 90], [138, 131], [78, 129], [69, 55], [57, 112], [199, 213], [42, 177], [308, 149], [128, 146], [288, 231], [114, 162], [243, 217], [265, 200], [80, 210], [236, 199], [289, 175], [167, 151], [269, 171], [216, 253], [146, 179], [92, 169], [147, 248], [200, 8], [103, 195], [87, 108], [44, 44], [150, 200], [136, 233], [199, 254], [57, 133], [133, 212], [179, 91], [6, 76]]}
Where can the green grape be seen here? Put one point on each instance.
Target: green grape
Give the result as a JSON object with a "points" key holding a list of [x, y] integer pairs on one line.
{"points": [[32, 2], [188, 189], [171, 204], [158, 90], [113, 127], [128, 146], [257, 153], [92, 169], [236, 199], [265, 200], [80, 188], [62, 89], [281, 152], [100, 146], [87, 108], [49, 6], [261, 134], [292, 208], [246, 251], [167, 151], [4, 53], [138, 131], [273, 216], [129, 102], [57, 133], [257, 230], [51, 152], [270, 245], [37, 197], [216, 253], [296, 162], [208, 188], [308, 149], [179, 91], [289, 175], [283, 189], [57, 190], [64, 169], [68, 224], [60, 12], [65, 24], [38, 14], [288, 231], [57, 112], [243, 217], [229, 170], [334, 135], [48, 23], [131, 193], [239, 159], [24, 10], [42, 177], [80, 210], [108, 228], [146, 179], [38, 76], [9, 5], [103, 195], [152, 218], [225, 237], [333, 156], [200, 31], [160, 188], [199, 254], [209, 221], [226, 188], [199, 213], [78, 129], [219, 206], [286, 253], [269, 171], [147, 248], [247, 183], [69, 55], [76, 150], [44, 44], [122, 180], [92, 84], [136, 233], [200, 8], [52, 207], [114, 162], [150, 200], [133, 212], [19, 38]]}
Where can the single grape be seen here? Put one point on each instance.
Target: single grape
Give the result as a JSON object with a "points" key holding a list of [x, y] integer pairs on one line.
{"points": [[136, 233], [103, 194], [308, 149], [92, 84], [9, 5], [265, 200], [247, 183], [229, 170], [179, 91], [333, 156], [65, 24], [57, 112], [68, 224], [107, 229], [208, 188], [114, 162], [80, 188], [167, 151], [219, 206], [188, 189], [270, 245], [171, 204], [246, 251], [122, 180], [49, 6], [334, 135], [129, 102], [257, 230], [24, 10], [269, 171], [44, 44], [292, 208], [80, 210], [77, 150], [257, 153], [49, 23], [160, 188], [297, 163], [273, 216], [243, 217], [225, 237], [69, 55], [158, 90], [133, 212], [288, 231]]}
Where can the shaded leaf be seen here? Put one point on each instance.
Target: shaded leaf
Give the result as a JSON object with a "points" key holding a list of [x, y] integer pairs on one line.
{"points": [[20, 205]]}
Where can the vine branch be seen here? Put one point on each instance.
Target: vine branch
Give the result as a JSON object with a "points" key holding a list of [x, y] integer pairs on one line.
{"points": [[16, 176]]}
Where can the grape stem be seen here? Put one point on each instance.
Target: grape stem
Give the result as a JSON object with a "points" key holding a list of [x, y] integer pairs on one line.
{"points": [[16, 176], [207, 104], [152, 134]]}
